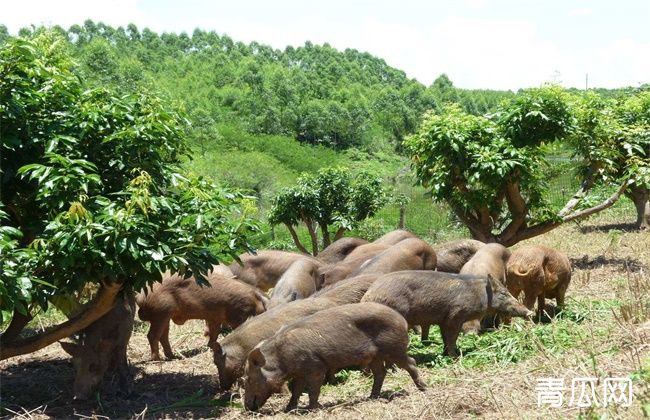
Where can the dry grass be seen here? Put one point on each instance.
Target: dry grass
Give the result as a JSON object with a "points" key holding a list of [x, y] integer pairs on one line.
{"points": [[605, 332]]}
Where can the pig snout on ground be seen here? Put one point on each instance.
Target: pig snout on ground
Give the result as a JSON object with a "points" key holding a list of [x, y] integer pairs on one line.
{"points": [[304, 352], [490, 259], [449, 300], [391, 238], [408, 254], [452, 256], [99, 357], [265, 269], [298, 282], [340, 249], [227, 302], [540, 272], [230, 353]]}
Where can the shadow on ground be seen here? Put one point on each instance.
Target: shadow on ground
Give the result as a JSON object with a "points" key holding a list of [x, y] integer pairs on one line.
{"points": [[627, 264], [49, 382]]}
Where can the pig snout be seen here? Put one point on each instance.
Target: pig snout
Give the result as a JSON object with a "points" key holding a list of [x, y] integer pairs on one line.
{"points": [[508, 305]]}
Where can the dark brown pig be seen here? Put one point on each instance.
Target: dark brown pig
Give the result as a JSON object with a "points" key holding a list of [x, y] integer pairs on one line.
{"points": [[333, 273], [453, 255], [540, 272], [298, 282], [339, 249], [228, 302], [265, 269], [306, 351], [391, 238], [101, 350], [444, 299], [489, 259], [230, 353], [408, 254]]}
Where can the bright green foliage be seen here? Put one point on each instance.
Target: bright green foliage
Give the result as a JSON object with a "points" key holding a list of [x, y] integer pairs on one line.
{"points": [[90, 188], [484, 169], [330, 198]]}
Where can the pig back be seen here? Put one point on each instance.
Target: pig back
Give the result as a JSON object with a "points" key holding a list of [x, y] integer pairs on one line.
{"points": [[340, 249], [452, 256]]}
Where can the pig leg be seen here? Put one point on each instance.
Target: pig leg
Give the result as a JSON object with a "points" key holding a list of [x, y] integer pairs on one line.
{"points": [[541, 304], [408, 364], [164, 340], [155, 333], [378, 373], [314, 383], [297, 387], [449, 338], [425, 332]]}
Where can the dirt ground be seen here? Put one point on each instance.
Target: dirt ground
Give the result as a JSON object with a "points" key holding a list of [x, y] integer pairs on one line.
{"points": [[611, 262]]}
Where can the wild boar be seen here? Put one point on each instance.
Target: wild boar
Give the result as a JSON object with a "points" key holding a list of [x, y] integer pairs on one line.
{"points": [[227, 302], [265, 269], [333, 273], [408, 254], [350, 290], [339, 249], [391, 238], [540, 272], [230, 354], [489, 259], [444, 299], [298, 282], [101, 350], [453, 255], [305, 351]]}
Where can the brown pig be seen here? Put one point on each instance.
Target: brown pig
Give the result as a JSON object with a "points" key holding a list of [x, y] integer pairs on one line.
{"points": [[391, 238], [332, 273], [453, 255], [339, 249], [408, 254], [306, 351], [265, 269], [227, 302], [298, 282], [489, 259], [444, 299], [350, 290], [540, 272], [101, 350], [230, 353]]}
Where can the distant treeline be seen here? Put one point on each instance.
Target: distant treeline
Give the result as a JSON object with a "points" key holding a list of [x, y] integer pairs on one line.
{"points": [[314, 93]]}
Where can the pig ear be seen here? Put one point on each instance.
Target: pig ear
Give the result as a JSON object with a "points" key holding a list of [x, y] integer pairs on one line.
{"points": [[72, 349], [257, 358], [321, 280]]}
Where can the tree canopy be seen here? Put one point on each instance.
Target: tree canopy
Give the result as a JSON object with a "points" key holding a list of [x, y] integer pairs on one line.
{"points": [[91, 193]]}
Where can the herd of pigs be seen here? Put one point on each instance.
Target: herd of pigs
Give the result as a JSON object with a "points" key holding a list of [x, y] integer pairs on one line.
{"points": [[352, 306]]}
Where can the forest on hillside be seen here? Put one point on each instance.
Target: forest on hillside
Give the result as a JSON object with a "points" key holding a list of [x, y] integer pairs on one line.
{"points": [[313, 93]]}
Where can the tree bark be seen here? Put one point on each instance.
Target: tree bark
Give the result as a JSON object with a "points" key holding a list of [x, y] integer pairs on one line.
{"points": [[339, 233], [18, 322], [518, 210], [95, 309], [641, 198], [402, 211], [326, 235], [313, 236], [476, 229], [296, 240]]}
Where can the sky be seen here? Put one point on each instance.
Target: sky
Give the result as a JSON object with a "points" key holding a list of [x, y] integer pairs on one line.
{"points": [[490, 44]]}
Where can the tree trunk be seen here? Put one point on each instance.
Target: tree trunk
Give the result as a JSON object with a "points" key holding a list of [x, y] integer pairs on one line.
{"points": [[18, 322], [402, 211], [326, 235], [296, 240], [641, 198], [339, 233], [312, 234], [95, 309]]}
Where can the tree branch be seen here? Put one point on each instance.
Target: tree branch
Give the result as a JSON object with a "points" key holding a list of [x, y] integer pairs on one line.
{"points": [[580, 194], [312, 235], [476, 229], [326, 235], [339, 233], [18, 322], [542, 228], [295, 238], [518, 210], [95, 309]]}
